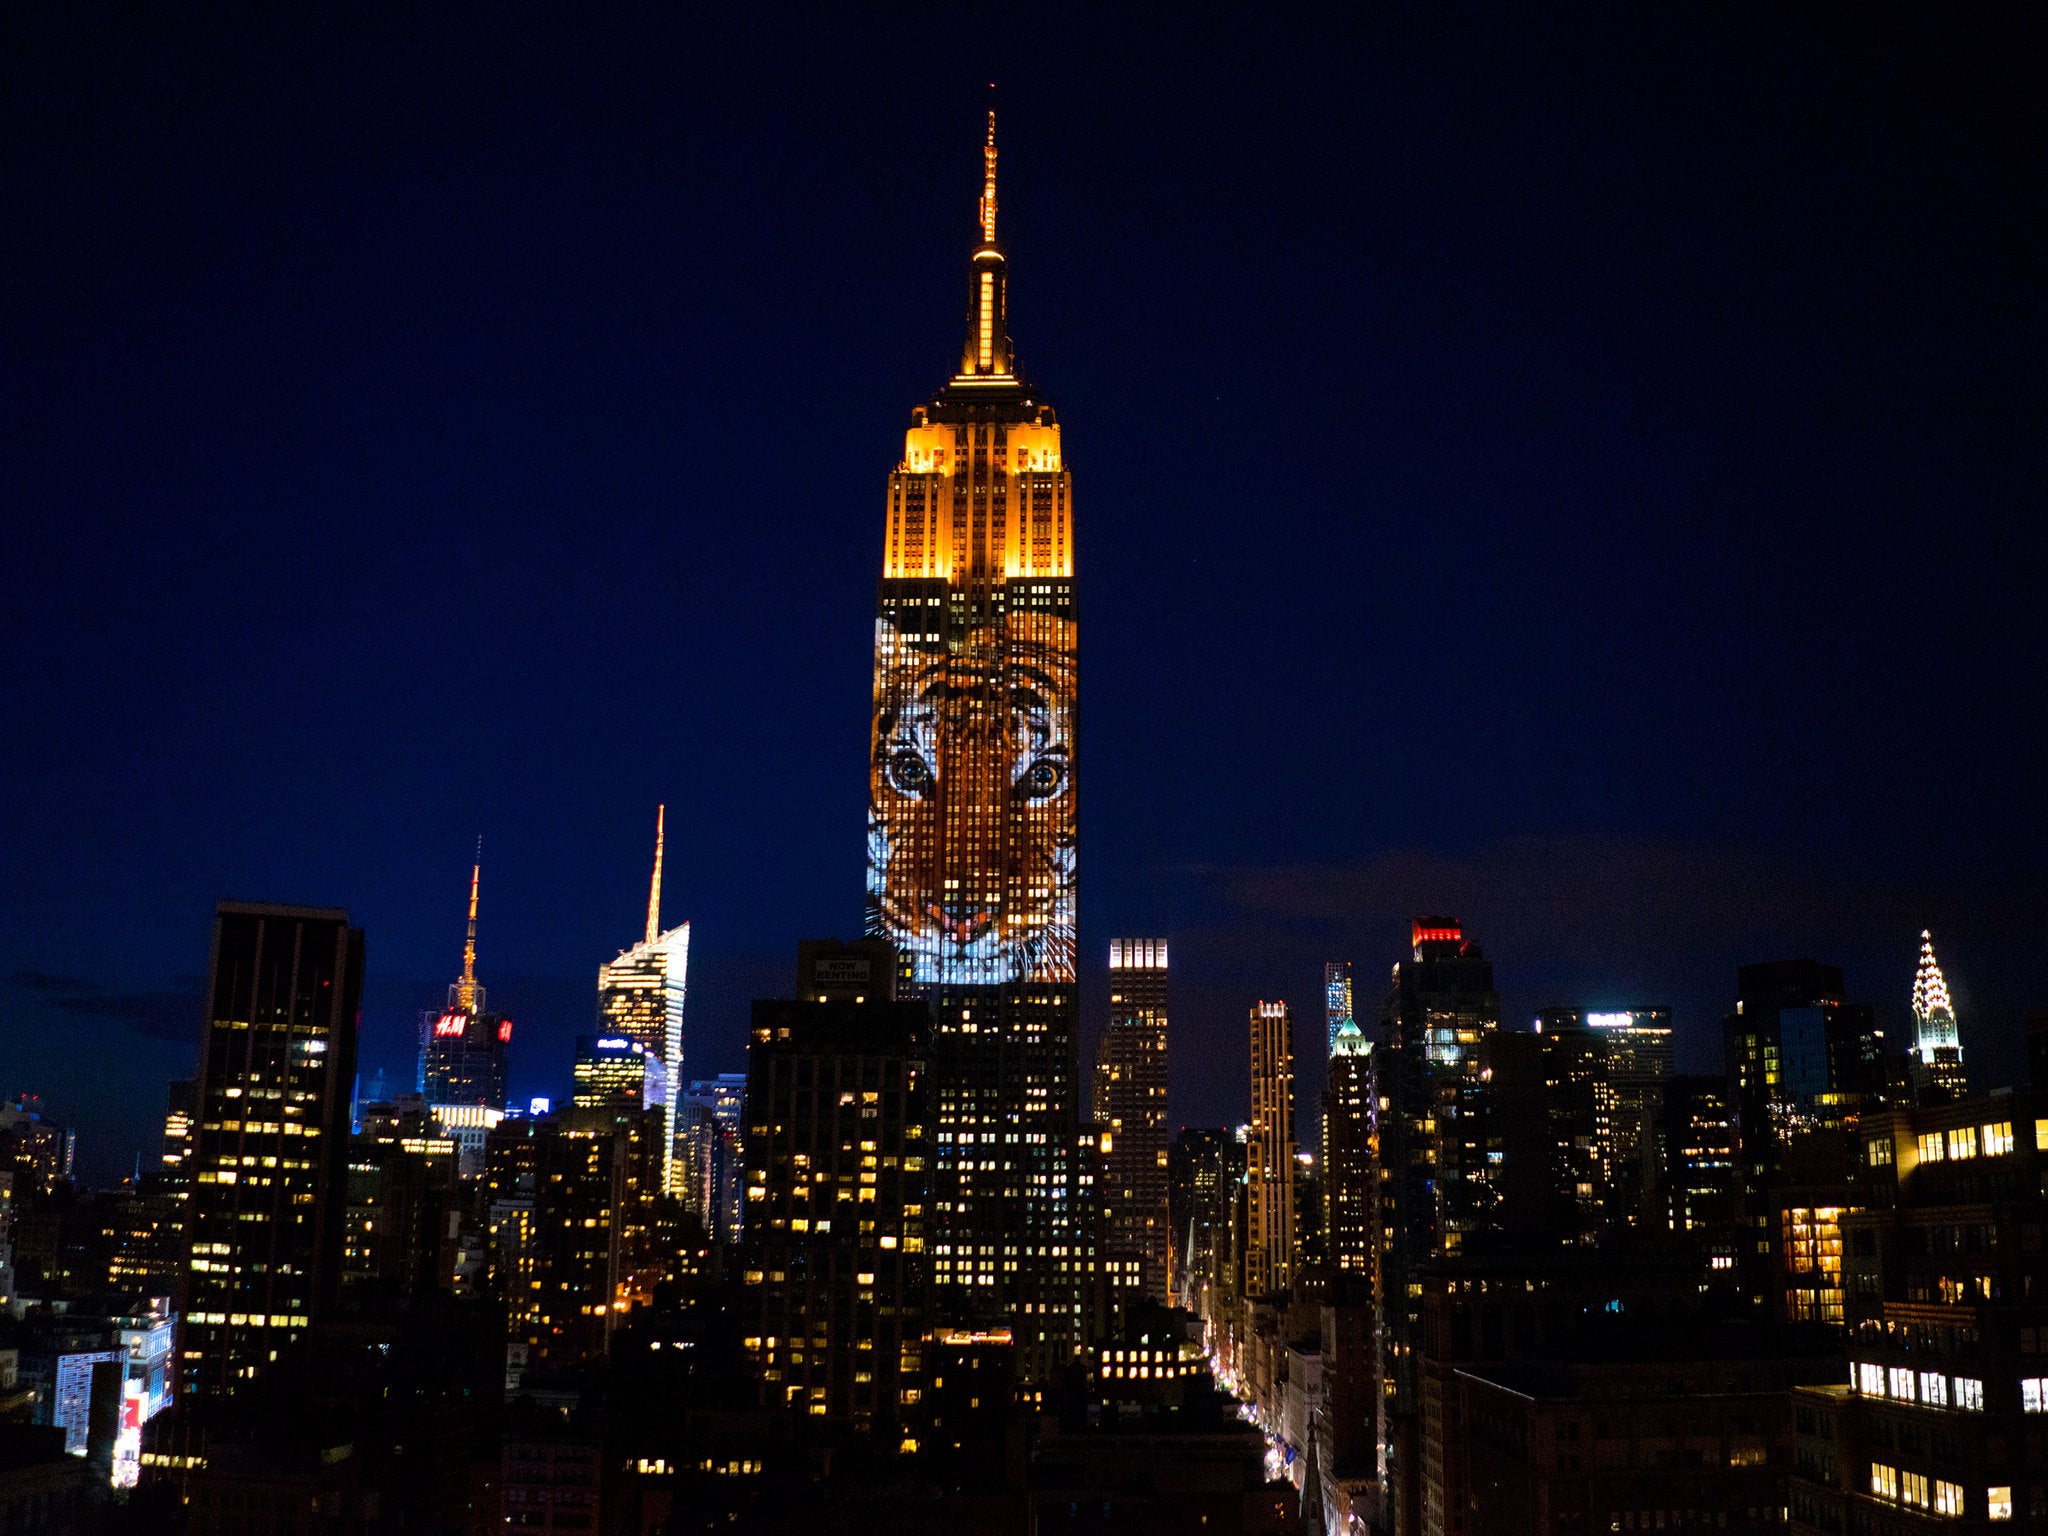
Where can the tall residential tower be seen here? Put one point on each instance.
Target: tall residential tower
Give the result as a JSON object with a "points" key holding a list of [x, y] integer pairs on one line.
{"points": [[971, 819], [1269, 1153], [1350, 1155], [1131, 1088]]}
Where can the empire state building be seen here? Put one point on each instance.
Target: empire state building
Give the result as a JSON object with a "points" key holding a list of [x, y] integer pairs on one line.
{"points": [[971, 823]]}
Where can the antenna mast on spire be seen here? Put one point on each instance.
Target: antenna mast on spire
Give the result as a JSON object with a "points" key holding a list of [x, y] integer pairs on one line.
{"points": [[467, 992], [988, 177], [654, 892], [986, 356]]}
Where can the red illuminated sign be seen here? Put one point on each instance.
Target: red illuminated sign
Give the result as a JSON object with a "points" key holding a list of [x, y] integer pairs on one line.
{"points": [[504, 1031], [450, 1024]]}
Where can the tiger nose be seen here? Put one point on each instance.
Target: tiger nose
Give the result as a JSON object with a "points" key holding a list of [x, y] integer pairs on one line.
{"points": [[963, 916]]}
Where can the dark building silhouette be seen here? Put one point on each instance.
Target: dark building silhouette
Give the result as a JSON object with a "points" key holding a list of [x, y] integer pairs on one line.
{"points": [[1205, 1169], [1528, 1135], [403, 1238], [577, 1237], [1699, 1171], [846, 971], [837, 1144], [38, 1151], [1627, 1429], [1436, 1186], [1800, 1059], [1515, 1348], [1940, 1422], [270, 1153]]}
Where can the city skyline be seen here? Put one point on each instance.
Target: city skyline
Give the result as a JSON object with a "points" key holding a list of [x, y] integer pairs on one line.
{"points": [[1520, 560], [1606, 867]]}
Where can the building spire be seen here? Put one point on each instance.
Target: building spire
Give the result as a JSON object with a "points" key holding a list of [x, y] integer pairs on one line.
{"points": [[654, 891], [1930, 987], [986, 357], [468, 994], [1934, 1014], [988, 181]]}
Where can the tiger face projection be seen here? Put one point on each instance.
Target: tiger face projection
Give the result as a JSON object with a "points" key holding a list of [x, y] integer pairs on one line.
{"points": [[971, 802]]}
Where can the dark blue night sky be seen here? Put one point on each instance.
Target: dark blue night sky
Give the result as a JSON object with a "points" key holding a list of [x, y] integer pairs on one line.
{"points": [[1581, 473]]}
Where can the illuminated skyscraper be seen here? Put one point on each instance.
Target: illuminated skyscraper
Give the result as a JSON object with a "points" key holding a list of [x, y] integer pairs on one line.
{"points": [[1269, 1153], [270, 1158], [1639, 1060], [1635, 1054], [462, 1045], [614, 1073], [1435, 1183], [1350, 1177], [574, 1246], [971, 819], [1132, 1090], [178, 1115], [1337, 1005], [1935, 1040], [640, 998], [709, 1115]]}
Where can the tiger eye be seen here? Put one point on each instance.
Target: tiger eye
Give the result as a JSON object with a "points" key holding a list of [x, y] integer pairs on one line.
{"points": [[1041, 779], [909, 771]]}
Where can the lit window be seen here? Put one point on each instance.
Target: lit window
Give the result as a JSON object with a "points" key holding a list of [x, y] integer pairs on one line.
{"points": [[1884, 1481], [1902, 1384], [1962, 1142], [1998, 1503], [1930, 1147], [2034, 1394], [1970, 1394], [1934, 1388], [1998, 1139], [1913, 1488], [1948, 1498], [1870, 1379]]}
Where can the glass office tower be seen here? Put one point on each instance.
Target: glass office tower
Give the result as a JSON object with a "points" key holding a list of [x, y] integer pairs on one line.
{"points": [[640, 998]]}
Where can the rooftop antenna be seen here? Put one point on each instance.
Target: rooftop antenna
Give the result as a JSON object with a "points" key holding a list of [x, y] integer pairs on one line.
{"points": [[654, 891], [988, 173], [466, 990]]}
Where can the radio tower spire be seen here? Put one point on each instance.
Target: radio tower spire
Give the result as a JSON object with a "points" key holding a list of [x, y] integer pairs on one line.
{"points": [[988, 177], [654, 891], [466, 990]]}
